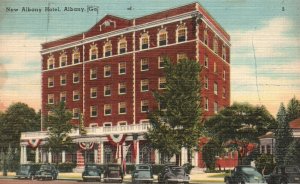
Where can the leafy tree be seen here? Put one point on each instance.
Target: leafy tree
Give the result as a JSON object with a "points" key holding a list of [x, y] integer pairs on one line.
{"points": [[265, 163], [283, 136], [239, 125], [209, 152], [293, 110], [59, 126], [292, 156], [176, 123]]}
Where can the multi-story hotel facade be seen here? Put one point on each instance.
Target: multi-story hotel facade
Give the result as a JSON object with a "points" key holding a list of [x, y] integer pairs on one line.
{"points": [[107, 76]]}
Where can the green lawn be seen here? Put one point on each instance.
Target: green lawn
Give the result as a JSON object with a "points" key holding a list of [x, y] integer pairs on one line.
{"points": [[219, 175]]}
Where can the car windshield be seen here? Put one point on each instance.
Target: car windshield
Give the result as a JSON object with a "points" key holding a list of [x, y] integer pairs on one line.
{"points": [[91, 167], [143, 174], [177, 170], [45, 167], [24, 167], [251, 172]]}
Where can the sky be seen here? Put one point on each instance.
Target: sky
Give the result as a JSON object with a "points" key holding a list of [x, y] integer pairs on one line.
{"points": [[265, 43]]}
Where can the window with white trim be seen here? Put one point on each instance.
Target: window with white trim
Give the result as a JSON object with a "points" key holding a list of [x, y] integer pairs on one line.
{"points": [[122, 88], [76, 77], [205, 37], [63, 60], [215, 88], [224, 93], [181, 57], [107, 49], [181, 33], [63, 96], [224, 52], [122, 107], [122, 46], [93, 92], [144, 106], [76, 95], [76, 113], [50, 62], [216, 45], [107, 124], [206, 82], [93, 52], [144, 121], [144, 85], [107, 110], [93, 73], [122, 123], [122, 68], [50, 98], [206, 61], [162, 37], [144, 41], [63, 80], [76, 56], [93, 111], [224, 75], [215, 67], [162, 83], [107, 90], [161, 62], [215, 107], [93, 125], [144, 64], [206, 104], [50, 82], [107, 71]]}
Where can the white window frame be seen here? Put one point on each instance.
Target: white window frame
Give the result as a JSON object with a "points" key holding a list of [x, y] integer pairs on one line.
{"points": [[61, 61], [74, 94], [142, 103], [147, 84], [93, 125], [92, 91], [216, 45], [215, 67], [106, 105], [122, 65], [93, 47], [106, 67], [160, 79], [51, 62], [74, 111], [76, 55], [224, 75], [161, 32], [161, 62], [104, 89], [206, 61], [93, 71], [93, 107], [119, 107], [144, 36], [61, 79], [63, 94], [215, 88], [74, 76], [206, 82], [50, 82], [123, 40], [224, 55], [107, 123], [179, 28], [50, 98], [122, 122], [205, 37], [119, 88], [147, 61], [105, 48], [206, 107], [216, 110], [144, 121]]}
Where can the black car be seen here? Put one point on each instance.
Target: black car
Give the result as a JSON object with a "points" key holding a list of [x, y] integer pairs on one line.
{"points": [[284, 175], [92, 172], [47, 171], [173, 174], [27, 171], [113, 173], [243, 174], [142, 173]]}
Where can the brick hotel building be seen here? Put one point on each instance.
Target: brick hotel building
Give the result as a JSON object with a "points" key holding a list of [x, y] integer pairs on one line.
{"points": [[108, 73]]}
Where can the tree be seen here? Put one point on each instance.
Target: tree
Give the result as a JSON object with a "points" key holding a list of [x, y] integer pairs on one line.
{"points": [[292, 156], [293, 110], [240, 125], [265, 163], [59, 126], [209, 152], [283, 136], [176, 123]]}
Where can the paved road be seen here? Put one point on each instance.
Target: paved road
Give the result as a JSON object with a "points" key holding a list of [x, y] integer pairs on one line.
{"points": [[23, 181]]}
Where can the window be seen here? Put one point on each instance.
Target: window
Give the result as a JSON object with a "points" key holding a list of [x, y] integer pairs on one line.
{"points": [[144, 121], [122, 108], [224, 93], [76, 95], [161, 62], [122, 46], [162, 83], [122, 123], [76, 56], [93, 52], [262, 149], [107, 90], [93, 73], [107, 109], [181, 33], [122, 68], [224, 75], [50, 62], [63, 60], [162, 37], [122, 88], [205, 61], [76, 77], [63, 80], [224, 52], [206, 104], [107, 49], [144, 65], [50, 98], [215, 107], [107, 71], [144, 106], [144, 41], [144, 85], [63, 96], [181, 57], [93, 111], [205, 37], [206, 82], [107, 124], [215, 67], [93, 92], [215, 88], [75, 113], [50, 82], [216, 47]]}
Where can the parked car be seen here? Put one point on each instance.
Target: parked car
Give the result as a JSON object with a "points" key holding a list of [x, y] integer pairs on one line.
{"points": [[113, 173], [27, 171], [142, 173], [47, 171], [92, 172], [244, 174], [173, 174], [284, 175]]}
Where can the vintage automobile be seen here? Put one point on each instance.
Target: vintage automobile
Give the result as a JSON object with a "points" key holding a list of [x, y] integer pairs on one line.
{"points": [[284, 175], [142, 173], [91, 172], [47, 171], [113, 173], [173, 174], [244, 174], [27, 171]]}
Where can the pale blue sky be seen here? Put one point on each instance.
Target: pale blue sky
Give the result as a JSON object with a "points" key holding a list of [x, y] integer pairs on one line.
{"points": [[275, 35]]}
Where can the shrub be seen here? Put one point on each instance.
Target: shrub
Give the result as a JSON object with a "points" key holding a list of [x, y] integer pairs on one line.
{"points": [[66, 167], [265, 164]]}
